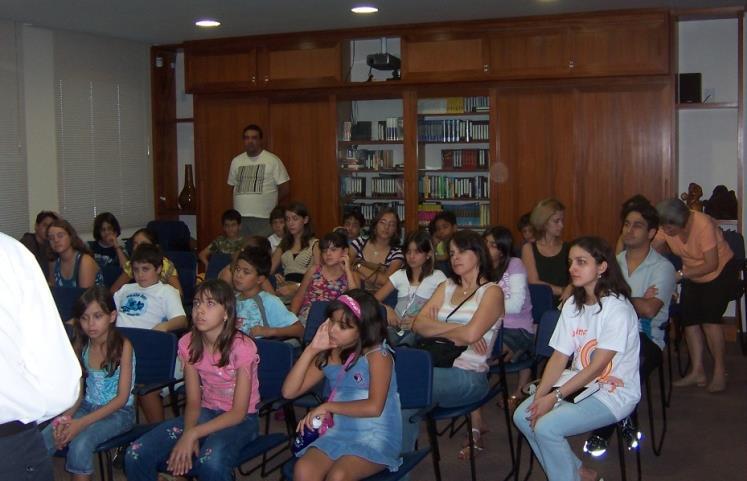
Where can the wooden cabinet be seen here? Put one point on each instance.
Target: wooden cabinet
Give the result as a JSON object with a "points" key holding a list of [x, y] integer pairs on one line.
{"points": [[220, 71], [300, 64], [529, 52], [443, 57]]}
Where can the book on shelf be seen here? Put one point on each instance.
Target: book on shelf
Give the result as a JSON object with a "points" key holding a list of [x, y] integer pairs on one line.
{"points": [[449, 187], [471, 214], [453, 105], [389, 129], [369, 210], [453, 130], [465, 158], [355, 186], [368, 159], [387, 186]]}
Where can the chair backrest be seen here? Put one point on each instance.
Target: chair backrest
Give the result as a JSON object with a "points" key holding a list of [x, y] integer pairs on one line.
{"points": [[542, 301], [173, 235], [315, 319], [111, 273], [155, 352], [414, 370], [186, 268], [544, 333], [275, 362], [736, 243], [391, 299], [216, 263], [64, 299], [498, 345], [675, 260]]}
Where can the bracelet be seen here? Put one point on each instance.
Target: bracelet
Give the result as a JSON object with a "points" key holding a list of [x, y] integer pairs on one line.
{"points": [[682, 274], [558, 397]]}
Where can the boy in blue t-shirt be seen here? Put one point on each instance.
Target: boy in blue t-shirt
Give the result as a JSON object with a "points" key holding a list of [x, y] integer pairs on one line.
{"points": [[260, 313]]}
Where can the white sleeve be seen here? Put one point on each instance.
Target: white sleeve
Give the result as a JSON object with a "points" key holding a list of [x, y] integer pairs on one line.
{"points": [[281, 175], [39, 372], [172, 302], [615, 322], [561, 338], [232, 173], [400, 282], [517, 284]]}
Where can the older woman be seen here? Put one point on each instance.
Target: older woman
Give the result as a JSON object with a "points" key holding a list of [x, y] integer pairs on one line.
{"points": [[466, 309], [707, 279]]}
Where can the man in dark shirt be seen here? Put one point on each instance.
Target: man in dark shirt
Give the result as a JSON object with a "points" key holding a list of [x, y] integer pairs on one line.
{"points": [[36, 241]]}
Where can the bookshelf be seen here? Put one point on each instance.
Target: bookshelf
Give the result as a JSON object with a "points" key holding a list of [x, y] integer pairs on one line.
{"points": [[370, 156], [453, 152]]}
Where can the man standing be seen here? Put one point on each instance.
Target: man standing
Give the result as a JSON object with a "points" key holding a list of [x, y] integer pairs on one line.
{"points": [[39, 373], [651, 280], [258, 178]]}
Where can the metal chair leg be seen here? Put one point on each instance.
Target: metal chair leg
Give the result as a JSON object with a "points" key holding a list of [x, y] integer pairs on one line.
{"points": [[621, 453], [471, 438], [435, 453]]}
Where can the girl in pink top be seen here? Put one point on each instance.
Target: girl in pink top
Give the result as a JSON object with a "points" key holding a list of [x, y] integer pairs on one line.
{"points": [[220, 419]]}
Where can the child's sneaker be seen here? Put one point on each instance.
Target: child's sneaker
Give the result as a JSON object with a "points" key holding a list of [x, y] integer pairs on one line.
{"points": [[596, 445]]}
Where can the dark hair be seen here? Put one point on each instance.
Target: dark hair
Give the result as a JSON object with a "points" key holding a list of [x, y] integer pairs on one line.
{"points": [[610, 282], [287, 240], [504, 242], [424, 244], [333, 239], [394, 241], [469, 240], [114, 340], [231, 214], [149, 233], [258, 241], [371, 325], [223, 294], [147, 253], [256, 257], [355, 214], [252, 127], [277, 212], [445, 215], [524, 221], [98, 223], [44, 214], [635, 200], [75, 241], [647, 211]]}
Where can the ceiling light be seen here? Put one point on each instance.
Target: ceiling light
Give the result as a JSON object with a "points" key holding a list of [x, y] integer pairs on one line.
{"points": [[207, 23], [364, 9]]}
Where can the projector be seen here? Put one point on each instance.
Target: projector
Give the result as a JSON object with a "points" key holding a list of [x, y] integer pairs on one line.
{"points": [[383, 61]]}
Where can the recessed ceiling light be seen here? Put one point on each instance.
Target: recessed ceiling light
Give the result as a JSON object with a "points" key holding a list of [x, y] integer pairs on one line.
{"points": [[364, 9], [207, 23]]}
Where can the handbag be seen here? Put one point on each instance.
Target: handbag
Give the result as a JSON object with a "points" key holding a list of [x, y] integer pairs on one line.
{"points": [[443, 351]]}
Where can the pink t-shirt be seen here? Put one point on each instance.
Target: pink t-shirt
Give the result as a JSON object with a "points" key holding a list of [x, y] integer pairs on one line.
{"points": [[218, 383]]}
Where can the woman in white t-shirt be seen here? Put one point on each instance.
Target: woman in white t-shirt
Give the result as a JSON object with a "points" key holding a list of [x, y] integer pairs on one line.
{"points": [[598, 326], [415, 284]]}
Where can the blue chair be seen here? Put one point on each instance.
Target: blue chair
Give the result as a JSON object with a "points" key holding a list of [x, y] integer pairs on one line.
{"points": [[186, 267], [173, 235], [64, 299], [542, 300], [736, 243], [316, 317], [276, 361], [111, 273], [216, 263], [391, 299], [415, 387]]}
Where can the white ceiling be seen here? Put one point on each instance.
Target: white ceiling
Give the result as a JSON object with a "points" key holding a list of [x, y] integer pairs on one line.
{"points": [[171, 21]]}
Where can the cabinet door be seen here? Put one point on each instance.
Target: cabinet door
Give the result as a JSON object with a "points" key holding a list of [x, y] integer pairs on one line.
{"points": [[529, 52], [220, 71], [437, 58], [623, 46], [304, 64]]}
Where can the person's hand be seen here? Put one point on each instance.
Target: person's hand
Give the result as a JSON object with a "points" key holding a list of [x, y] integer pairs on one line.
{"points": [[68, 432], [406, 322], [613, 383], [59, 428], [322, 341], [480, 347], [260, 331], [161, 326], [651, 292], [306, 423], [110, 238], [391, 317], [540, 407], [345, 260], [566, 293], [433, 314], [180, 460]]}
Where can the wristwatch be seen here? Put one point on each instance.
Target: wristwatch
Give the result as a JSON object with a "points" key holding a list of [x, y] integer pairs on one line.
{"points": [[558, 397], [681, 274]]}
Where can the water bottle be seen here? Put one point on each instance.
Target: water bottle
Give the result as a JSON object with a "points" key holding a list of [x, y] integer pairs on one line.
{"points": [[307, 436]]}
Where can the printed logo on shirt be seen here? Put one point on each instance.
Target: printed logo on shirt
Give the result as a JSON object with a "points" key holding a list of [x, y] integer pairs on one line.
{"points": [[134, 305], [250, 179], [585, 354]]}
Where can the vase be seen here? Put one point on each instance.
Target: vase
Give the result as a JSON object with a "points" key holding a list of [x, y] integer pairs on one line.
{"points": [[187, 195]]}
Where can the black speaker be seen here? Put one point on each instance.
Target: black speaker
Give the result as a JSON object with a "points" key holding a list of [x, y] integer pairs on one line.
{"points": [[688, 86]]}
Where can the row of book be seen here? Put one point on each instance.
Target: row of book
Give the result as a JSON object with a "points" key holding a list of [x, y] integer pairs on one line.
{"points": [[379, 187], [369, 211], [445, 187], [353, 186], [453, 130], [453, 105], [356, 159], [465, 158], [474, 215], [391, 128]]}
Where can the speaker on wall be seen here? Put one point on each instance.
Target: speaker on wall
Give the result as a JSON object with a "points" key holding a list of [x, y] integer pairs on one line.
{"points": [[688, 88]]}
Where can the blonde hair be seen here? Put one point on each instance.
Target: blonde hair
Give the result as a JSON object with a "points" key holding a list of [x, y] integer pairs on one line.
{"points": [[542, 212]]}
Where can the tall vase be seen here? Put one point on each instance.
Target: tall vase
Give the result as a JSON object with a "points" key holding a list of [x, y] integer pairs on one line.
{"points": [[187, 195]]}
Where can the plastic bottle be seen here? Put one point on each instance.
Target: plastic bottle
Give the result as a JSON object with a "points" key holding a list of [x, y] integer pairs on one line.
{"points": [[307, 436]]}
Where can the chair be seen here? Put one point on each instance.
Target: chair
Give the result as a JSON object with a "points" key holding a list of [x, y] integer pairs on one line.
{"points": [[391, 299], [111, 273], [542, 300], [736, 243], [186, 267], [316, 317], [276, 361], [173, 235], [64, 299], [216, 263], [656, 445], [415, 387]]}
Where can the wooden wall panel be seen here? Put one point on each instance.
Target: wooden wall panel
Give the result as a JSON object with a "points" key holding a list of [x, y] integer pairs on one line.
{"points": [[529, 52], [163, 127], [210, 69], [303, 135], [219, 122], [443, 58]]}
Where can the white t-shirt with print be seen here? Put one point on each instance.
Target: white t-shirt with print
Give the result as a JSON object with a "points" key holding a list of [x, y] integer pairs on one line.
{"points": [[255, 183], [145, 307], [412, 298], [615, 327]]}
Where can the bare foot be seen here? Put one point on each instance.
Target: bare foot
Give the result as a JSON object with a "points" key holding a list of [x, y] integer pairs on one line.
{"points": [[718, 384], [587, 474], [691, 379]]}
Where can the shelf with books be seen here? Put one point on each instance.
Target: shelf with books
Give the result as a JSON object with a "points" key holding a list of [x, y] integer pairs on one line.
{"points": [[473, 215], [344, 143]]}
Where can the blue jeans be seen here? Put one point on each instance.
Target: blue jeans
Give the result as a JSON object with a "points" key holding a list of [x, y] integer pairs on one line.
{"points": [[79, 458], [548, 439], [219, 451], [452, 387]]}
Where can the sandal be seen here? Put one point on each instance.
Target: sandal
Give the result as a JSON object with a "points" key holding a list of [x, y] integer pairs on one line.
{"points": [[479, 446]]}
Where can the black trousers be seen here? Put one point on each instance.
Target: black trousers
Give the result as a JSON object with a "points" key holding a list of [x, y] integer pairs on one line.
{"points": [[23, 457], [651, 358]]}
